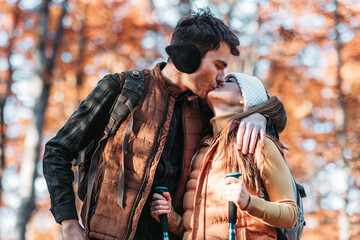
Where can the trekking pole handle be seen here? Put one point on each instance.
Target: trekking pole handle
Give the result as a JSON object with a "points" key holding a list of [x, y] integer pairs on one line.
{"points": [[163, 217], [232, 210]]}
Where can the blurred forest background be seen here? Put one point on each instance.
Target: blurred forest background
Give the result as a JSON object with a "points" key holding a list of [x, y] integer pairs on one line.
{"points": [[307, 52]]}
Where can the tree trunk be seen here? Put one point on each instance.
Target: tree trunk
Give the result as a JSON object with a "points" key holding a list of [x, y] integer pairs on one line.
{"points": [[7, 93], [42, 78], [81, 54], [276, 63], [248, 65], [340, 123]]}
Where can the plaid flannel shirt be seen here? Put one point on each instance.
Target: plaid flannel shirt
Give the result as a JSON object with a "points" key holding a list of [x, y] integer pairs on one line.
{"points": [[82, 127]]}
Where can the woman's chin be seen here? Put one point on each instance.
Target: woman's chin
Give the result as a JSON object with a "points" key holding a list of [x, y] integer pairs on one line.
{"points": [[210, 95], [214, 91], [212, 98], [215, 94]]}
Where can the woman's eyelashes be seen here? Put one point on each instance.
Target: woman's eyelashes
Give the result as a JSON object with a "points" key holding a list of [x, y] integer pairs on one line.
{"points": [[230, 80]]}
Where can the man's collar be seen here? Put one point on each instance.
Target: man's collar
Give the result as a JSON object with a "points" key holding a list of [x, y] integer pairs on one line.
{"points": [[173, 89]]}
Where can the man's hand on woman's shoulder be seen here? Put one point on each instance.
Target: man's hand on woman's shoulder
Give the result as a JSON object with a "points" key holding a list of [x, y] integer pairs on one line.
{"points": [[249, 129]]}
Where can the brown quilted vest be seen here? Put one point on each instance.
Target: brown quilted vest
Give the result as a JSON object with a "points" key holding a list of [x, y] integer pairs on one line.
{"points": [[206, 211], [152, 117]]}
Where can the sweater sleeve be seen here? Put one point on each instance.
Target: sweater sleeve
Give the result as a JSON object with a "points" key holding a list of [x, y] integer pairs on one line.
{"points": [[281, 211], [176, 224]]}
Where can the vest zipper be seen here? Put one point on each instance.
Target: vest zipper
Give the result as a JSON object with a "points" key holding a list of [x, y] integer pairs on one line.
{"points": [[147, 171]]}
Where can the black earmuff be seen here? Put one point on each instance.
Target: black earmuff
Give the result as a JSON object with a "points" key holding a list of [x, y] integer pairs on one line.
{"points": [[185, 56]]}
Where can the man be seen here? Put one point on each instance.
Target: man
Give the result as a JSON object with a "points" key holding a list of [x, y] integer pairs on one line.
{"points": [[168, 122]]}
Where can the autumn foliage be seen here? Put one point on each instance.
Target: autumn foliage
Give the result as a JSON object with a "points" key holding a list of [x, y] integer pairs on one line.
{"points": [[52, 53]]}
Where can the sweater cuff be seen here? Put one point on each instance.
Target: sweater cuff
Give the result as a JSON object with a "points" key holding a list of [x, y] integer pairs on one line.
{"points": [[175, 223], [255, 206], [64, 212]]}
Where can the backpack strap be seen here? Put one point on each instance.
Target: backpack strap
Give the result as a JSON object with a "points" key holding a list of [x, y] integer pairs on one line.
{"points": [[299, 194], [129, 97], [124, 104], [281, 231]]}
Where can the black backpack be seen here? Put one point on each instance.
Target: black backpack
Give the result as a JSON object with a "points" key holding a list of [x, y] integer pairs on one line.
{"points": [[88, 158]]}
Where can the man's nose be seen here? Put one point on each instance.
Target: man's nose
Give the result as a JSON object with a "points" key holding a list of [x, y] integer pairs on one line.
{"points": [[220, 78]]}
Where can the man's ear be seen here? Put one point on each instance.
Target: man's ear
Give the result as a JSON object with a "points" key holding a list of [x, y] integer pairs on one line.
{"points": [[185, 56]]}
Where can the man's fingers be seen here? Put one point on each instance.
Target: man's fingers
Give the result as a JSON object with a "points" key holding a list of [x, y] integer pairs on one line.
{"points": [[253, 140], [240, 135], [159, 202], [246, 138], [262, 137], [159, 212], [160, 207], [167, 196], [157, 196]]}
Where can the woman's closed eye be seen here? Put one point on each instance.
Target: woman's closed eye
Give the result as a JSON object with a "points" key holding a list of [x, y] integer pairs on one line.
{"points": [[230, 79]]}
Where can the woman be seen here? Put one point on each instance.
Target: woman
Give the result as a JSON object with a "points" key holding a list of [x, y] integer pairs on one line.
{"points": [[264, 194]]}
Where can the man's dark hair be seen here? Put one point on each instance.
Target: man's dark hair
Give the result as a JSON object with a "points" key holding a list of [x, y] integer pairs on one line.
{"points": [[204, 31]]}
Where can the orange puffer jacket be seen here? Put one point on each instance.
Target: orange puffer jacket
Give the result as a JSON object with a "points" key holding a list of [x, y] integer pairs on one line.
{"points": [[206, 211], [152, 117]]}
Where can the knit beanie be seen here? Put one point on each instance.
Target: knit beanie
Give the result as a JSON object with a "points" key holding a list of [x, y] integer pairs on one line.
{"points": [[252, 89]]}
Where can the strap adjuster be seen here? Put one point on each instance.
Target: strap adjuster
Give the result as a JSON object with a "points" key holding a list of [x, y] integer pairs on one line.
{"points": [[135, 74]]}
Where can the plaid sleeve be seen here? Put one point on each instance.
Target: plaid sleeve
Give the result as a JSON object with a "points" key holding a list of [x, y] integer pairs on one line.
{"points": [[81, 128], [278, 118]]}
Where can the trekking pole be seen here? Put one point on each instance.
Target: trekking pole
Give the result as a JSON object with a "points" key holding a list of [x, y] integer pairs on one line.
{"points": [[163, 217], [232, 210]]}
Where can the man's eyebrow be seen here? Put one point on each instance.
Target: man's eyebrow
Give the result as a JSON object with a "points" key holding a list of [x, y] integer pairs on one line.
{"points": [[223, 63]]}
